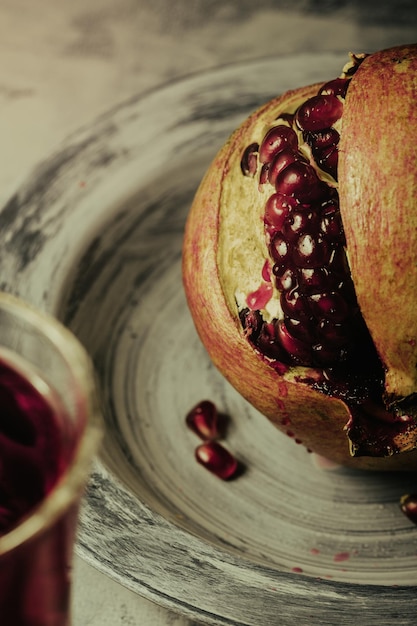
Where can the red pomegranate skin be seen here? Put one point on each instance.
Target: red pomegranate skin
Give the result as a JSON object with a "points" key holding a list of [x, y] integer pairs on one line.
{"points": [[284, 395], [378, 191]]}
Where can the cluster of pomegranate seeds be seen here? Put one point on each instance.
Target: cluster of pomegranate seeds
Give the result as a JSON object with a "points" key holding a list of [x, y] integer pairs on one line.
{"points": [[204, 420], [305, 237]]}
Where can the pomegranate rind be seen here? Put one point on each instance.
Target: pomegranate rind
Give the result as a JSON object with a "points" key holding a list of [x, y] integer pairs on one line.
{"points": [[210, 276], [378, 203]]}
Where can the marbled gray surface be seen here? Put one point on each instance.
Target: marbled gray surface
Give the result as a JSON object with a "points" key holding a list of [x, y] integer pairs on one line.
{"points": [[64, 64]]}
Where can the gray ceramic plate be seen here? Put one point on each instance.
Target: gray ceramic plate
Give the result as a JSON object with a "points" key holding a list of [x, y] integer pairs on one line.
{"points": [[94, 236]]}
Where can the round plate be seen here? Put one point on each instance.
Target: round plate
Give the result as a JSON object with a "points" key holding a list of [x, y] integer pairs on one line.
{"points": [[94, 236]]}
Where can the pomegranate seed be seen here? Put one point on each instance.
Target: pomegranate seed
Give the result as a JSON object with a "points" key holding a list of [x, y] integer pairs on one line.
{"points": [[282, 160], [286, 278], [408, 505], [277, 209], [332, 333], [266, 271], [268, 343], [264, 175], [329, 306], [259, 299], [331, 206], [300, 180], [310, 251], [252, 323], [299, 329], [322, 138], [263, 336], [319, 112], [214, 457], [298, 223], [295, 305], [202, 419], [328, 159], [249, 162], [331, 227], [279, 248], [335, 87], [275, 140], [298, 349], [313, 280]]}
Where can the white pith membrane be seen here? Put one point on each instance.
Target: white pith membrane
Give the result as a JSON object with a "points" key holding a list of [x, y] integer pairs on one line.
{"points": [[243, 257]]}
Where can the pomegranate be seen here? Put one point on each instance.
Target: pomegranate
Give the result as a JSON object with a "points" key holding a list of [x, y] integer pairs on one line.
{"points": [[299, 262]]}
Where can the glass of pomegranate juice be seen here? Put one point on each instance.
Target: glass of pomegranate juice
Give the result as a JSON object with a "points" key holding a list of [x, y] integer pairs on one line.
{"points": [[49, 433]]}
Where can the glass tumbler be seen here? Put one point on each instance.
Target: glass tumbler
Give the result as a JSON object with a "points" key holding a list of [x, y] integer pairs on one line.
{"points": [[50, 429]]}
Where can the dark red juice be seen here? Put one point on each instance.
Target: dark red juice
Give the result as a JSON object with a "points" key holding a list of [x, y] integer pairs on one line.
{"points": [[30, 444], [37, 445]]}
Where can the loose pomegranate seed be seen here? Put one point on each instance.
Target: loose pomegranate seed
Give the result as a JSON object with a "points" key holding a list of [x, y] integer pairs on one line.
{"points": [[203, 420], [249, 161], [275, 140], [319, 112], [408, 505], [217, 459]]}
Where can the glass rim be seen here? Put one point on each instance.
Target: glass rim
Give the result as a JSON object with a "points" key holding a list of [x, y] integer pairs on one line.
{"points": [[70, 485]]}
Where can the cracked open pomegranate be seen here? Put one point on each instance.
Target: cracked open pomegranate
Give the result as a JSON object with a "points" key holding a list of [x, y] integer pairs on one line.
{"points": [[300, 262]]}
